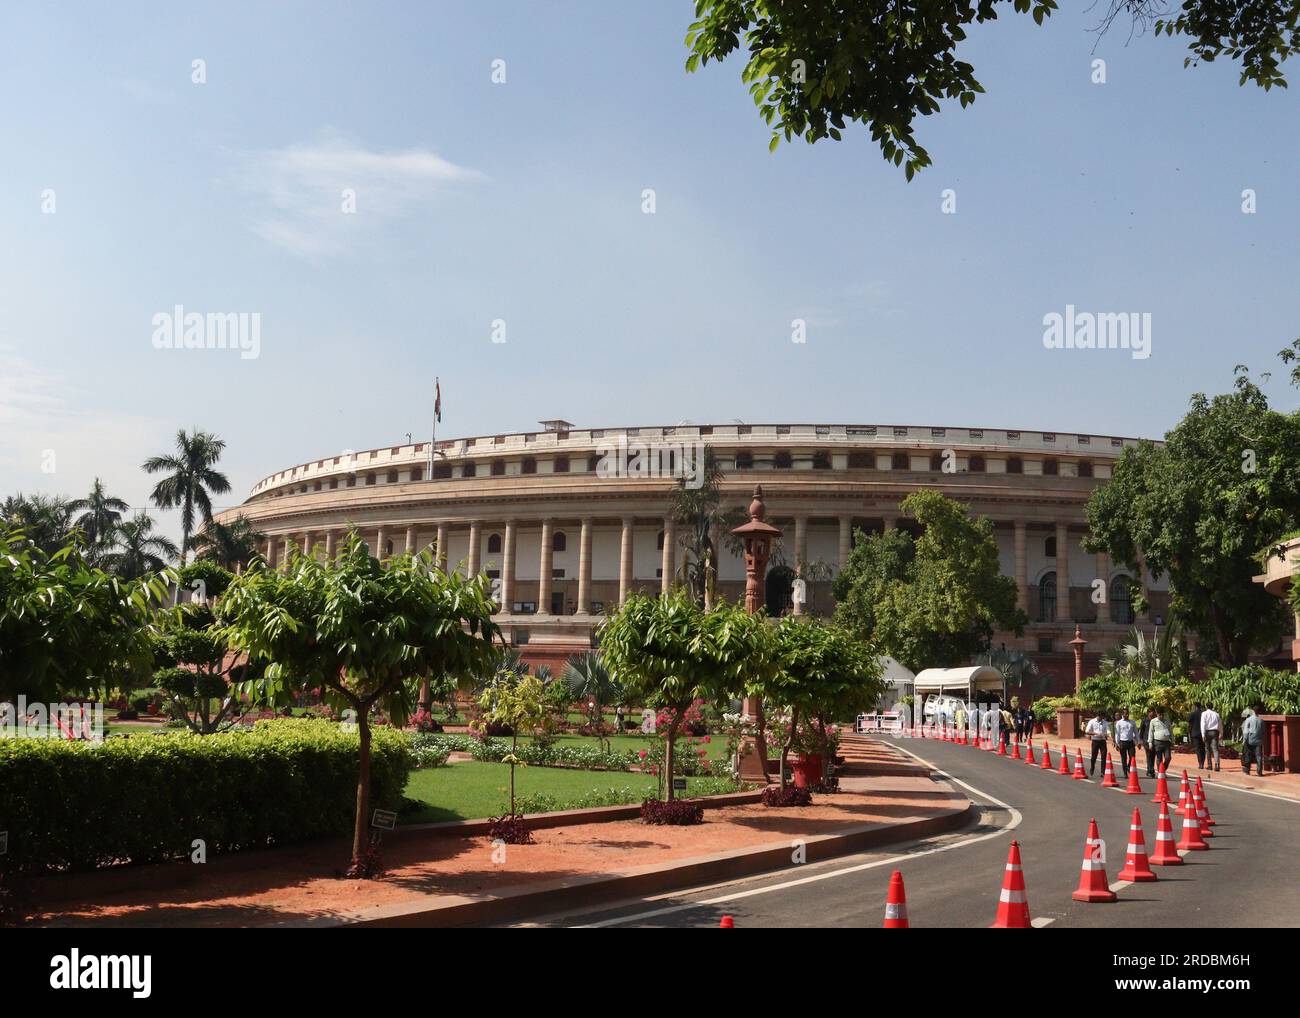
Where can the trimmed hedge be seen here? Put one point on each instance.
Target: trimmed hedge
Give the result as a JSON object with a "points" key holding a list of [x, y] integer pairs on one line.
{"points": [[76, 805]]}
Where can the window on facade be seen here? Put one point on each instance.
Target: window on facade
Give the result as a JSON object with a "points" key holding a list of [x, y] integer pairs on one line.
{"points": [[529, 466], [334, 483], [470, 469], [744, 461], [592, 463], [782, 461], [976, 465], [318, 486], [441, 470], [370, 478], [392, 477], [1015, 465], [498, 468], [1049, 547], [1121, 601], [1085, 468], [862, 461], [494, 544], [352, 482], [821, 460], [417, 473], [1051, 468], [1047, 598], [936, 461], [900, 461], [559, 542], [659, 541], [561, 464]]}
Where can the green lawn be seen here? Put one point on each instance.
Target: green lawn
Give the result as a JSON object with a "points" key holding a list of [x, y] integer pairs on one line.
{"points": [[470, 790]]}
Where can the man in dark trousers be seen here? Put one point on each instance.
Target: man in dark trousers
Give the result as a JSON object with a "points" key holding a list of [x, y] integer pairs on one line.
{"points": [[1194, 733]]}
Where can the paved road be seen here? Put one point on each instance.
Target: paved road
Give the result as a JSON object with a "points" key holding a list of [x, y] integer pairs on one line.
{"points": [[1247, 878]]}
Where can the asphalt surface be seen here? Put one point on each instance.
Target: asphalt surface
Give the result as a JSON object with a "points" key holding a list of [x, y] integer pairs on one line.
{"points": [[1248, 877]]}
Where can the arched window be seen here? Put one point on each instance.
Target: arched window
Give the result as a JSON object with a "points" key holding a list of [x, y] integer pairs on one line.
{"points": [[782, 461], [529, 466], [561, 464], [559, 542], [1015, 465], [494, 544], [498, 468], [1049, 547], [1121, 601], [1047, 598], [744, 461], [659, 541], [1051, 468], [976, 465], [900, 461], [388, 547]]}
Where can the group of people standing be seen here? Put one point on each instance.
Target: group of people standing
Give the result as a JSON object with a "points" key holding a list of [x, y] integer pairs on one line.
{"points": [[1155, 733]]}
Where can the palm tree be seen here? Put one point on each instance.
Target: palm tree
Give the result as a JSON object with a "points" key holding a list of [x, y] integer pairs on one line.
{"points": [[592, 683], [45, 520], [1165, 652], [139, 550], [100, 516], [190, 479], [228, 544], [1017, 668], [699, 513]]}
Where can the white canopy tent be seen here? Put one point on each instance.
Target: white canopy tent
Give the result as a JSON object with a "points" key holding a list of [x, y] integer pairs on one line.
{"points": [[975, 682]]}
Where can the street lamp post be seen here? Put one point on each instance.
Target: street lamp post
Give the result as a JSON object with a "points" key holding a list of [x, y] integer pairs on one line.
{"points": [[1078, 643], [757, 537]]}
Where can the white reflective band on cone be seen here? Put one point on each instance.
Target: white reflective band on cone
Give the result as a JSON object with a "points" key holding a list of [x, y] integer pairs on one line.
{"points": [[895, 911], [1013, 897]]}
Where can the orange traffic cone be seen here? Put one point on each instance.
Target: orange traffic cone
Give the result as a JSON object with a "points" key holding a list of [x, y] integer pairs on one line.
{"points": [[1191, 841], [1209, 820], [1181, 809], [1162, 788], [1015, 750], [1029, 754], [1013, 904], [1065, 760], [1078, 774], [1166, 854], [896, 904], [976, 743], [1136, 867], [1002, 745], [727, 923], [1108, 775], [1093, 885], [1133, 787], [1198, 797], [1046, 765]]}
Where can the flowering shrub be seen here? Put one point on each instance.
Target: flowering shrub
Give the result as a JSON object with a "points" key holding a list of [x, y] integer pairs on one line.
{"points": [[775, 795], [677, 813], [422, 721], [429, 750], [693, 722], [510, 828]]}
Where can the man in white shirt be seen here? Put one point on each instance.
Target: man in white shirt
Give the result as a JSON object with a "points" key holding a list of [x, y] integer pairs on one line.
{"points": [[1211, 730], [1098, 731], [1126, 740]]}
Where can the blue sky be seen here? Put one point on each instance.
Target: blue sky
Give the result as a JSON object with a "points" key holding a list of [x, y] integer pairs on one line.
{"points": [[522, 201]]}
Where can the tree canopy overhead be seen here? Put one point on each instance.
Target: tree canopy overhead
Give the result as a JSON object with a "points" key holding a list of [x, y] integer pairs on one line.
{"points": [[816, 65]]}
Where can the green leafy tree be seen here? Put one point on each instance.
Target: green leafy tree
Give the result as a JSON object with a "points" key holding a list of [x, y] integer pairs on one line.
{"points": [[44, 520], [821, 673], [521, 704], [191, 480], [63, 622], [139, 551], [669, 652], [101, 514], [364, 632], [230, 545], [934, 600], [814, 66], [1199, 508], [702, 520]]}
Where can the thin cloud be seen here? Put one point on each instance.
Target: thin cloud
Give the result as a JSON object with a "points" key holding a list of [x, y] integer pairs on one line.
{"points": [[300, 192]]}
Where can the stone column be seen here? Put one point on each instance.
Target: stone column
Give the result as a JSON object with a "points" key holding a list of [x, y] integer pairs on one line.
{"points": [[329, 546], [307, 544], [545, 567], [381, 544], [846, 541], [625, 562], [288, 548], [1103, 574], [1062, 572], [441, 550], [800, 553], [270, 552], [475, 546], [670, 555], [508, 568], [584, 568], [1022, 567], [410, 540]]}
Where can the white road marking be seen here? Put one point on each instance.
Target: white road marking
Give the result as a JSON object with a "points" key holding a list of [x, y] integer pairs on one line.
{"points": [[1042, 921], [1016, 818], [1119, 885]]}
